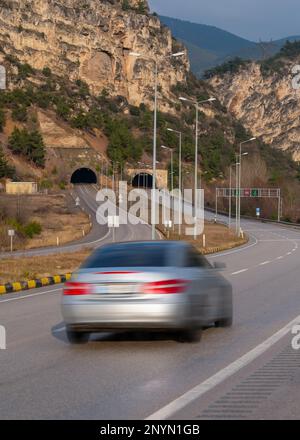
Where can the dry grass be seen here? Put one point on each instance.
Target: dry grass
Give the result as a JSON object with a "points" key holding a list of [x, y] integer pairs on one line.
{"points": [[56, 213], [216, 236], [23, 269]]}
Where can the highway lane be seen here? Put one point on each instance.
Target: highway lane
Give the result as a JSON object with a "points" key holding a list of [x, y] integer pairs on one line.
{"points": [[131, 376]]}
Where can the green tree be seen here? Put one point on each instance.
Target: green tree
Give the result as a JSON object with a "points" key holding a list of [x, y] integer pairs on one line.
{"points": [[19, 113], [2, 119], [29, 144], [5, 169], [125, 5]]}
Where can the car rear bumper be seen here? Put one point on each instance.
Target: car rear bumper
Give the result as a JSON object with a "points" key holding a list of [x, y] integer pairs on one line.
{"points": [[133, 315]]}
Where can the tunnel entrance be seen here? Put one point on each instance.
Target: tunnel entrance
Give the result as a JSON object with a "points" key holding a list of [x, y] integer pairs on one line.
{"points": [[83, 175], [143, 180]]}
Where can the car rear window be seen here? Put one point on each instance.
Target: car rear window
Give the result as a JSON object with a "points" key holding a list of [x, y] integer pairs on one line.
{"points": [[130, 256]]}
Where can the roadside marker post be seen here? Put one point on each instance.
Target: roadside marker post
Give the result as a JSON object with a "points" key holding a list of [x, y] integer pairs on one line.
{"points": [[113, 223], [168, 226]]}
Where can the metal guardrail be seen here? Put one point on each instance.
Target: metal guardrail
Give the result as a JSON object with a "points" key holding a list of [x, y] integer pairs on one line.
{"points": [[261, 220]]}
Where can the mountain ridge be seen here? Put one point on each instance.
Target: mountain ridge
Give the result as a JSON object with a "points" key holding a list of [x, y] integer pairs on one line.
{"points": [[210, 46]]}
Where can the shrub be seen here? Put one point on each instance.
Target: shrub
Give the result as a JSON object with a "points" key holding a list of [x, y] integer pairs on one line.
{"points": [[63, 109], [19, 113], [32, 229], [5, 169], [231, 66], [122, 145], [62, 185], [47, 72], [24, 70], [46, 184], [125, 5], [2, 119], [29, 144]]}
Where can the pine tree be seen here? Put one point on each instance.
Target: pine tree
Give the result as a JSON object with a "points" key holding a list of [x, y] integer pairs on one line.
{"points": [[5, 169]]}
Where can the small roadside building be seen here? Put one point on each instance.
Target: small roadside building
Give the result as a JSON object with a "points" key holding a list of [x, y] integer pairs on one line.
{"points": [[21, 188]]}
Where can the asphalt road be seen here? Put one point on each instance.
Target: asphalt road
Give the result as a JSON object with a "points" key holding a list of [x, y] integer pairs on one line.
{"points": [[248, 371]]}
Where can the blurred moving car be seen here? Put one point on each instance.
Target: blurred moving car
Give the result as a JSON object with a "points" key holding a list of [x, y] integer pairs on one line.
{"points": [[163, 286]]}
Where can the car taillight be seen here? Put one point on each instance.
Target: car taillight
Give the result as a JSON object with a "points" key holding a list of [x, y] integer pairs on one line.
{"points": [[77, 289], [166, 287]]}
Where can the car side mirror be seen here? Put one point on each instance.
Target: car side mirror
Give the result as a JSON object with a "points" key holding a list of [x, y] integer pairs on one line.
{"points": [[219, 266]]}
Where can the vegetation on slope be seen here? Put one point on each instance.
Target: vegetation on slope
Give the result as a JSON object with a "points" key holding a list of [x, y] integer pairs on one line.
{"points": [[130, 129], [276, 64], [232, 66]]}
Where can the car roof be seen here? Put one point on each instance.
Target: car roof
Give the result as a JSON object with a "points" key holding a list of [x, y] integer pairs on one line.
{"points": [[161, 243]]}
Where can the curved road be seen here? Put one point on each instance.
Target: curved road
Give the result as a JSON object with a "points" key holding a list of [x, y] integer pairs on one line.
{"points": [[98, 235], [247, 371]]}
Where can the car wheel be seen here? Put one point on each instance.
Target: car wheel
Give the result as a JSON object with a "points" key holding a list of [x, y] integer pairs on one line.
{"points": [[225, 322], [77, 337], [190, 336]]}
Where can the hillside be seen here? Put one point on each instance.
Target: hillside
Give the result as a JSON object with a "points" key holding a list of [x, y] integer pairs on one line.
{"points": [[210, 46], [261, 96], [92, 41], [55, 118]]}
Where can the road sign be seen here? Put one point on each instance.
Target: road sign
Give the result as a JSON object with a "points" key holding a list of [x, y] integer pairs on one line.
{"points": [[11, 234], [257, 212], [254, 193]]}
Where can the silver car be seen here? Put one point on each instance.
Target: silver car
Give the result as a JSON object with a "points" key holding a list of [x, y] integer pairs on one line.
{"points": [[164, 286]]}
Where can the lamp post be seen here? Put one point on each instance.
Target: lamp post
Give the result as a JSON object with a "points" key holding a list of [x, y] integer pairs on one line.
{"points": [[172, 165], [196, 104], [240, 182], [230, 194], [237, 164], [153, 200], [179, 178], [172, 178]]}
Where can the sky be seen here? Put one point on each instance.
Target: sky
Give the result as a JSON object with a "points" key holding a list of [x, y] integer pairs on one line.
{"points": [[252, 19]]}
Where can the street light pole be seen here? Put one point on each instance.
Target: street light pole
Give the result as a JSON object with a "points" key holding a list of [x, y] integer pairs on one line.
{"points": [[179, 178], [237, 164], [196, 104], [153, 199], [240, 184], [230, 190]]}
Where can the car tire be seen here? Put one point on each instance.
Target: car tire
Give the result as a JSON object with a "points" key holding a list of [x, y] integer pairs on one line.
{"points": [[77, 337], [225, 322], [190, 336]]}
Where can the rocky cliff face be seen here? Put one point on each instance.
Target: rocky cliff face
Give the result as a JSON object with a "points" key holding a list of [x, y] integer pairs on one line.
{"points": [[266, 104], [91, 40]]}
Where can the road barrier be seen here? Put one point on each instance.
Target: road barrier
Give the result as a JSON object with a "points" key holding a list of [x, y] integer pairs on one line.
{"points": [[34, 284]]}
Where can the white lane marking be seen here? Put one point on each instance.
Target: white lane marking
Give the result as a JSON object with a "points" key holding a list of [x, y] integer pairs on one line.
{"points": [[244, 248], [264, 263], [273, 241], [202, 388], [289, 253], [239, 271], [280, 258], [29, 296]]}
